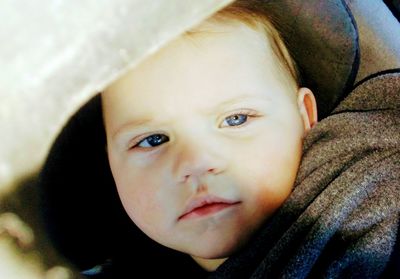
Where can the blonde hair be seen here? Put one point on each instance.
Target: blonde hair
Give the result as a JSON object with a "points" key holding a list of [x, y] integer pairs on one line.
{"points": [[246, 11]]}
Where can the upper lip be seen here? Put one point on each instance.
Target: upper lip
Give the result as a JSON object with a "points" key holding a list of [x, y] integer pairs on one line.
{"points": [[205, 200]]}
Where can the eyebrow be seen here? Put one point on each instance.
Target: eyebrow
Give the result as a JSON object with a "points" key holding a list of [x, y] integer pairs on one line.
{"points": [[144, 121], [233, 101], [131, 124]]}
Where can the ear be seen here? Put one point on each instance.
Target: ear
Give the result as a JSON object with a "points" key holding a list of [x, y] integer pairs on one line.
{"points": [[307, 108]]}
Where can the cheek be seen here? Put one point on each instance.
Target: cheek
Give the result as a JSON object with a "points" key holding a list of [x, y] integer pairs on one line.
{"points": [[272, 155], [268, 184], [140, 196], [269, 175]]}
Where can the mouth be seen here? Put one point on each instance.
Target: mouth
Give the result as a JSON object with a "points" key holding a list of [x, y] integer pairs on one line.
{"points": [[206, 206]]}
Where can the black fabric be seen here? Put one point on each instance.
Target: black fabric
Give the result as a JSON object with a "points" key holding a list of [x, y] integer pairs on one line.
{"points": [[79, 205], [394, 6]]}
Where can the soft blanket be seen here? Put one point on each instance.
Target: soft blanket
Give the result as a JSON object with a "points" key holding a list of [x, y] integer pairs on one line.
{"points": [[341, 221]]}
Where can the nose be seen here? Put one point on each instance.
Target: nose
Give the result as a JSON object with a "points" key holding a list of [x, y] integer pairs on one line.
{"points": [[194, 160]]}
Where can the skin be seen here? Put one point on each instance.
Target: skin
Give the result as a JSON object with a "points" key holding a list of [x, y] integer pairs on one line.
{"points": [[196, 93]]}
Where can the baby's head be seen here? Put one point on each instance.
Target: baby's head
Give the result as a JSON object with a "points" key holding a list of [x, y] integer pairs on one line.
{"points": [[204, 137]]}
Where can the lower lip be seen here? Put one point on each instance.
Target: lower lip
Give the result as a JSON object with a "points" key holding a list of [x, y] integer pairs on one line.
{"points": [[207, 210]]}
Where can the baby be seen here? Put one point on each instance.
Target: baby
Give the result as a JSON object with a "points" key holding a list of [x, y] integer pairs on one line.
{"points": [[204, 137]]}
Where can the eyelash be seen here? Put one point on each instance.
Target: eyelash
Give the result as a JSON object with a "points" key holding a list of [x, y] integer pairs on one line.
{"points": [[247, 113]]}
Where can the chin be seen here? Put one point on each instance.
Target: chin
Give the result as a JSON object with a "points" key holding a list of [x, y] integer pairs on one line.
{"points": [[216, 249]]}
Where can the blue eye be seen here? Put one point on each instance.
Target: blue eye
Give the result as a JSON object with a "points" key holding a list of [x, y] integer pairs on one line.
{"points": [[153, 140], [236, 119]]}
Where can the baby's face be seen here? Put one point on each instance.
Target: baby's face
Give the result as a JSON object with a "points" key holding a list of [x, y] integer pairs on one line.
{"points": [[204, 140]]}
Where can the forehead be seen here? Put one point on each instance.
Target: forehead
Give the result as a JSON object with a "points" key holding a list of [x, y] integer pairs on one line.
{"points": [[213, 63]]}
